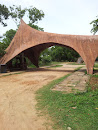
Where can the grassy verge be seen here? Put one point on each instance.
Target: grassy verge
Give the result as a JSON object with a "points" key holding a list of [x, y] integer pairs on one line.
{"points": [[10, 74], [77, 69], [96, 65], [54, 66], [75, 63], [77, 111], [48, 64]]}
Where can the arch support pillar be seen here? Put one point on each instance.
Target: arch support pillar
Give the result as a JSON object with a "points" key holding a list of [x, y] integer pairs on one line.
{"points": [[90, 70], [89, 67], [33, 56]]}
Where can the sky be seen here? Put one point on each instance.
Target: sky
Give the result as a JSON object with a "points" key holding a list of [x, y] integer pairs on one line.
{"points": [[61, 16]]}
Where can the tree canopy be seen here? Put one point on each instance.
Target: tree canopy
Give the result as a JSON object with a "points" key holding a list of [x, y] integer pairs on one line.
{"points": [[7, 38], [33, 14], [4, 14], [58, 53], [94, 30], [16, 13]]}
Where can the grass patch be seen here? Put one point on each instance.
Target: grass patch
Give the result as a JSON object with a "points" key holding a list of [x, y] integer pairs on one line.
{"points": [[75, 63], [10, 74], [77, 69], [96, 65], [78, 111], [48, 64], [31, 66], [55, 66]]}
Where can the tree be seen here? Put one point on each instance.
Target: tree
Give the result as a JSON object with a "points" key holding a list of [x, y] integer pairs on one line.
{"points": [[2, 48], [59, 53], [4, 14], [45, 57], [16, 13], [36, 27], [95, 26], [8, 36]]}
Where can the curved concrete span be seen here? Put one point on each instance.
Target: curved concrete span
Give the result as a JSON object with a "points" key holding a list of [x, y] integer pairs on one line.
{"points": [[32, 42]]}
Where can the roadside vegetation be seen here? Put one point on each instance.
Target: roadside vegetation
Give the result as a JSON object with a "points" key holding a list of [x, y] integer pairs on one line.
{"points": [[96, 66], [76, 111], [51, 64], [75, 63]]}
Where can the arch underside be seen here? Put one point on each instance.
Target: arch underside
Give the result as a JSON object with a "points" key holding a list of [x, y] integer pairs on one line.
{"points": [[32, 42], [33, 53]]}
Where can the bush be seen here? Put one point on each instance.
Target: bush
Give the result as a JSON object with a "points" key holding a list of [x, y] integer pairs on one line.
{"points": [[44, 60]]}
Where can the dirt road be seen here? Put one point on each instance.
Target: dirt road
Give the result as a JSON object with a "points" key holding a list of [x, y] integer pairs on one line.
{"points": [[17, 97]]}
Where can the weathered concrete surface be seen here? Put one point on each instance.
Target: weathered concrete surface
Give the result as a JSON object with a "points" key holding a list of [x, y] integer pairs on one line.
{"points": [[32, 42], [74, 83]]}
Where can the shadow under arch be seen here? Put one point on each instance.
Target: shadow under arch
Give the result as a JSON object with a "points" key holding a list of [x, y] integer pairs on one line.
{"points": [[33, 53]]}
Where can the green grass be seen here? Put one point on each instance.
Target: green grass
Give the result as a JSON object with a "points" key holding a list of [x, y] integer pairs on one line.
{"points": [[75, 63], [78, 111], [11, 74], [96, 65], [95, 76], [31, 66], [55, 63], [55, 66], [48, 64], [77, 68]]}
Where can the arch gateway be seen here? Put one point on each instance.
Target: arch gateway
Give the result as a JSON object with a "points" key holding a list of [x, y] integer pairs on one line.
{"points": [[32, 42]]}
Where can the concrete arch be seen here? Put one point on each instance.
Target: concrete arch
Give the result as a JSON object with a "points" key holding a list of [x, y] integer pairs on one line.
{"points": [[33, 53], [27, 37]]}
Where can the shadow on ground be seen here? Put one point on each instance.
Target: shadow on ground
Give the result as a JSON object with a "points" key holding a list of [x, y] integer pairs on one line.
{"points": [[45, 69]]}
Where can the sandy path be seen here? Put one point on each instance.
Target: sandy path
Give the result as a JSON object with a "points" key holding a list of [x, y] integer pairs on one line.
{"points": [[17, 98]]}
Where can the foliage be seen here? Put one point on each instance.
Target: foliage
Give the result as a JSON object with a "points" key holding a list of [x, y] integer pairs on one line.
{"points": [[34, 15], [45, 60], [4, 14], [95, 26], [63, 54], [77, 111], [16, 13], [59, 54], [8, 36], [2, 48], [36, 27]]}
